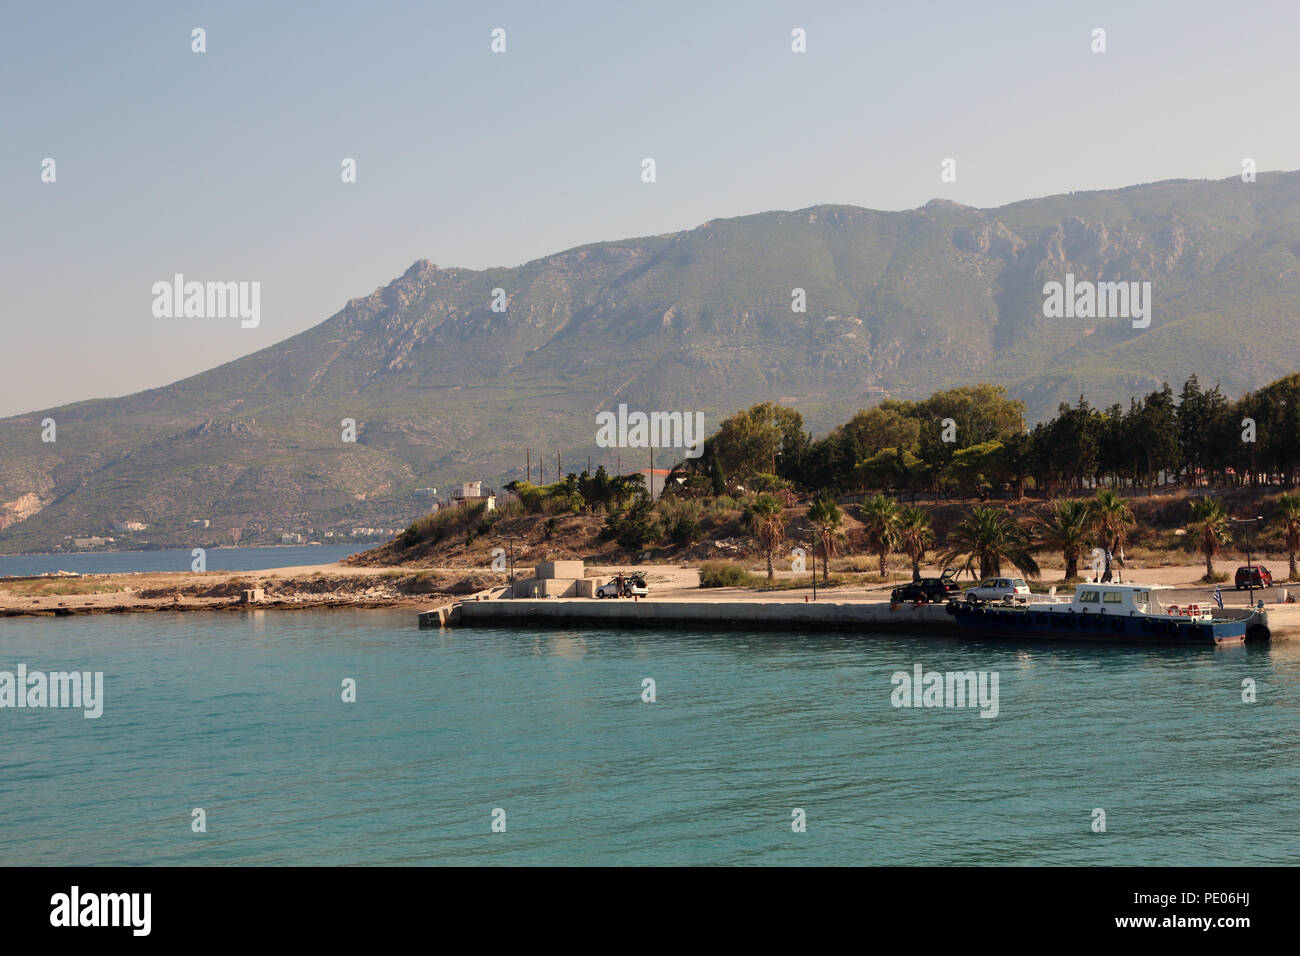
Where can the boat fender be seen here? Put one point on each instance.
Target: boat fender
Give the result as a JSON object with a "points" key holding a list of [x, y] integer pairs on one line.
{"points": [[1117, 625]]}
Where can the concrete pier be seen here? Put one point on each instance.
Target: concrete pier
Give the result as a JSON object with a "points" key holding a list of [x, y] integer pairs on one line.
{"points": [[1278, 622], [752, 615]]}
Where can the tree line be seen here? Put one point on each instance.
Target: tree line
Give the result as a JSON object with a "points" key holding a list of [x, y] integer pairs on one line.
{"points": [[988, 539], [973, 441]]}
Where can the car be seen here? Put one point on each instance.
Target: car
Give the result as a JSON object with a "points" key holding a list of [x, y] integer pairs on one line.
{"points": [[1006, 590], [1252, 575], [928, 589], [633, 586]]}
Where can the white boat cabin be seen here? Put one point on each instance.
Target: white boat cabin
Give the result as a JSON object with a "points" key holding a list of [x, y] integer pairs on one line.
{"points": [[1125, 599]]}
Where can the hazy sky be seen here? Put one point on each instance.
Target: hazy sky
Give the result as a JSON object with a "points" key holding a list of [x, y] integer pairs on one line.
{"points": [[225, 165]]}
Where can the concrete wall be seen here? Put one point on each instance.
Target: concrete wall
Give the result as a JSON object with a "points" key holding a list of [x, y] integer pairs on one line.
{"points": [[556, 587], [784, 615], [559, 569]]}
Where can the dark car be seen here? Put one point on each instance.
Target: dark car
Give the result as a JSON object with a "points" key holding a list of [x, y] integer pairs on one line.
{"points": [[1252, 575], [927, 590]]}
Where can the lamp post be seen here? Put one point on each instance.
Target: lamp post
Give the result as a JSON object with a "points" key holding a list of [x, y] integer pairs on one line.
{"points": [[813, 552], [1250, 565], [512, 538]]}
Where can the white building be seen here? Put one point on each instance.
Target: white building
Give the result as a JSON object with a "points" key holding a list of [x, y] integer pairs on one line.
{"points": [[471, 493]]}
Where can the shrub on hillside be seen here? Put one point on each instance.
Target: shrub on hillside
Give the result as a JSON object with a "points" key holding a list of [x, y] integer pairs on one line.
{"points": [[634, 529], [433, 527]]}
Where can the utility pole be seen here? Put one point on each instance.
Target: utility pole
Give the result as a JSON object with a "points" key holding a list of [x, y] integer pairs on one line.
{"points": [[528, 473], [1250, 565]]}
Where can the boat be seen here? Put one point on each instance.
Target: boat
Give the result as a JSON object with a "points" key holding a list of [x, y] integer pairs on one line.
{"points": [[1110, 613]]}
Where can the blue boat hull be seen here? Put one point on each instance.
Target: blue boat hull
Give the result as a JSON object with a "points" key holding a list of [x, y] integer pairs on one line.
{"points": [[1104, 628]]}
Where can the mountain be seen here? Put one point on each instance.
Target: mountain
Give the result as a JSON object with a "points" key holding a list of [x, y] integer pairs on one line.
{"points": [[445, 389]]}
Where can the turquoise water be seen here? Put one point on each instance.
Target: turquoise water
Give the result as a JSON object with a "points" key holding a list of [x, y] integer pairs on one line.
{"points": [[218, 559], [240, 714]]}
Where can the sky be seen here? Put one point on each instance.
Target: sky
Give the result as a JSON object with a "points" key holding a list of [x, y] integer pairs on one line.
{"points": [[226, 165]]}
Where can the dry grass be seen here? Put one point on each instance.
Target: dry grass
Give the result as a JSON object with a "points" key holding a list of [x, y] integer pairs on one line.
{"points": [[52, 587]]}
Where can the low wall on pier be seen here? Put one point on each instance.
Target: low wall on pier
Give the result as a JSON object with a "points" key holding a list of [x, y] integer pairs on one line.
{"points": [[754, 615]]}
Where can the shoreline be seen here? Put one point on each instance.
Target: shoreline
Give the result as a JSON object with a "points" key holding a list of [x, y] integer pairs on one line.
{"points": [[336, 586], [289, 588]]}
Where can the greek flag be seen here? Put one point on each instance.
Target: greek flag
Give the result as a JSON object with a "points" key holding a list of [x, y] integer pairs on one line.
{"points": [[1218, 597]]}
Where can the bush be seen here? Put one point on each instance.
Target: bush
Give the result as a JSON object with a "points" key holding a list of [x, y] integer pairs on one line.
{"points": [[435, 526], [634, 529], [431, 527], [682, 520], [685, 530], [727, 574]]}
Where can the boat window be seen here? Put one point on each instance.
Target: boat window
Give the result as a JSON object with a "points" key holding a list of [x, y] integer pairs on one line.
{"points": [[1089, 597], [1113, 597]]}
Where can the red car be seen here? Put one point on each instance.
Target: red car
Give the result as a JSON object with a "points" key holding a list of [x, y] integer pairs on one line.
{"points": [[1252, 575]]}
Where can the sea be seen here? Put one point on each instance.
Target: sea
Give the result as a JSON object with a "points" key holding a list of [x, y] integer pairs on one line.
{"points": [[216, 559], [353, 737]]}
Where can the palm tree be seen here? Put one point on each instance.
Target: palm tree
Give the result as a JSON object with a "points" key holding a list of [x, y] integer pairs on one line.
{"points": [[765, 520], [989, 536], [915, 535], [1288, 519], [826, 517], [1111, 518], [880, 516], [1066, 528], [1210, 522]]}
